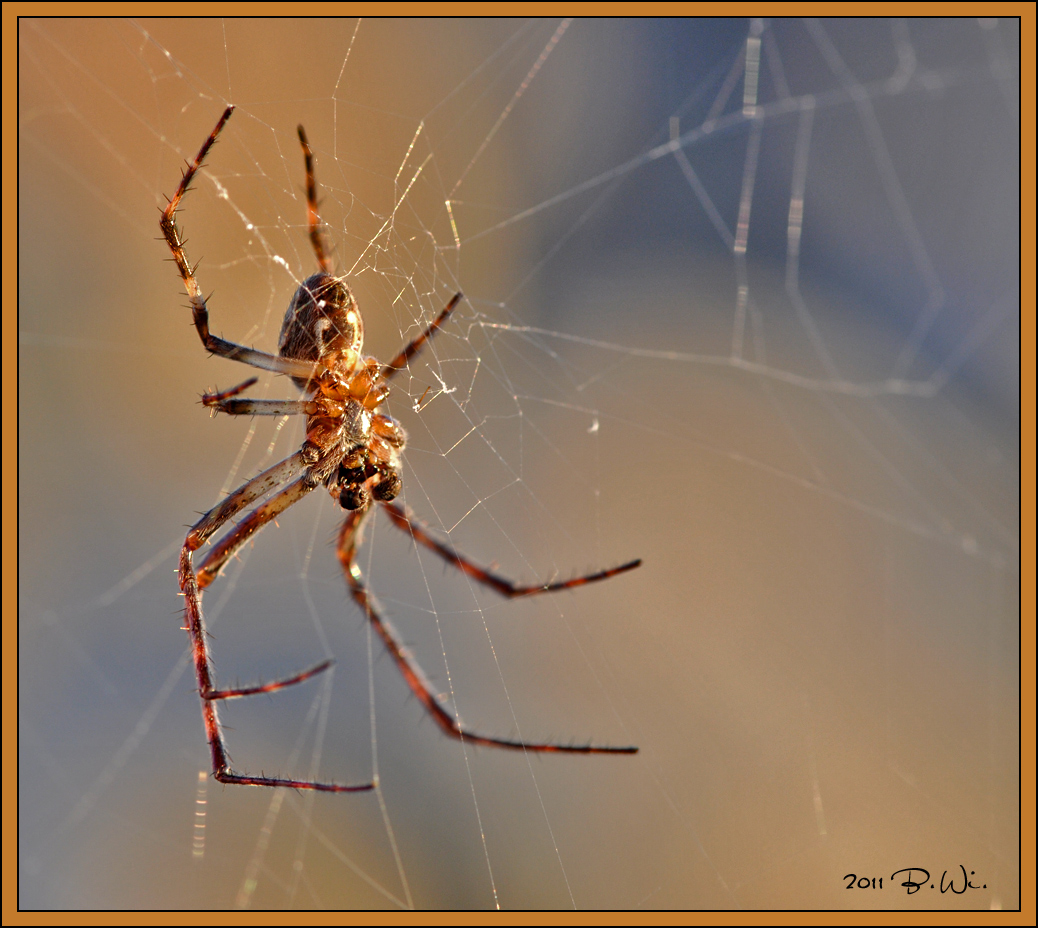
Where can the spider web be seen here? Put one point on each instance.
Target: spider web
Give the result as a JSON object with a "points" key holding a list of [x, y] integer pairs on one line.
{"points": [[741, 299]]}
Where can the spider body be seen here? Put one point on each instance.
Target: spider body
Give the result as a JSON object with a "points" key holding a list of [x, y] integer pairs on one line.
{"points": [[351, 448], [357, 448]]}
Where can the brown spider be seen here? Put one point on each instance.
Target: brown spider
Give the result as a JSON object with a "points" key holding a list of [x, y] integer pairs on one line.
{"points": [[350, 447]]}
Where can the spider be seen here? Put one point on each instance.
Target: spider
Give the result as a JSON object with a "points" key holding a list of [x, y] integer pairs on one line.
{"points": [[351, 448]]}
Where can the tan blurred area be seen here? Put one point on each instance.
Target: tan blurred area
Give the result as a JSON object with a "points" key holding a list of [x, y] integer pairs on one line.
{"points": [[818, 658]]}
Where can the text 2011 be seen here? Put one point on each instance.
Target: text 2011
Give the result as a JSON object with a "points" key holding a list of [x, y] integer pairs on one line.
{"points": [[856, 882]]}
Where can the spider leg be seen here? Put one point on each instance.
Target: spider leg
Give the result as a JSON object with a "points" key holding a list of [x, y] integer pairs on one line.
{"points": [[507, 588], [272, 687], [260, 407], [312, 217], [212, 399], [244, 496], [315, 406], [413, 674], [266, 512], [410, 350], [191, 586], [217, 747], [168, 223]]}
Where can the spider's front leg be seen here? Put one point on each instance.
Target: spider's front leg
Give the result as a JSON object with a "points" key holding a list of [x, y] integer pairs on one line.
{"points": [[200, 311], [412, 348], [312, 217]]}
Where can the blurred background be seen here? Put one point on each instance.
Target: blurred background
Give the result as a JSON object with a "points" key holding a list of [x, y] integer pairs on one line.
{"points": [[741, 299]]}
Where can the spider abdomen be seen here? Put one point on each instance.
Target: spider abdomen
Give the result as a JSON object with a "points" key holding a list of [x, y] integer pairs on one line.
{"points": [[322, 323]]}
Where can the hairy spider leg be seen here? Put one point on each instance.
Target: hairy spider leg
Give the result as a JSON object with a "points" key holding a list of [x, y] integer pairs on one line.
{"points": [[312, 217], [250, 407], [349, 538], [413, 347], [200, 312], [214, 399], [244, 496], [222, 770], [192, 584], [421, 533], [266, 512]]}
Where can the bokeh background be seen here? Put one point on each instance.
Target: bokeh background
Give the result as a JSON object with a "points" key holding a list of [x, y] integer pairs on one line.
{"points": [[778, 360]]}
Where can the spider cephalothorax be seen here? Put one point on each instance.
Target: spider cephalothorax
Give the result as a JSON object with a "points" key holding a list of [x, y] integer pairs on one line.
{"points": [[350, 447]]}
